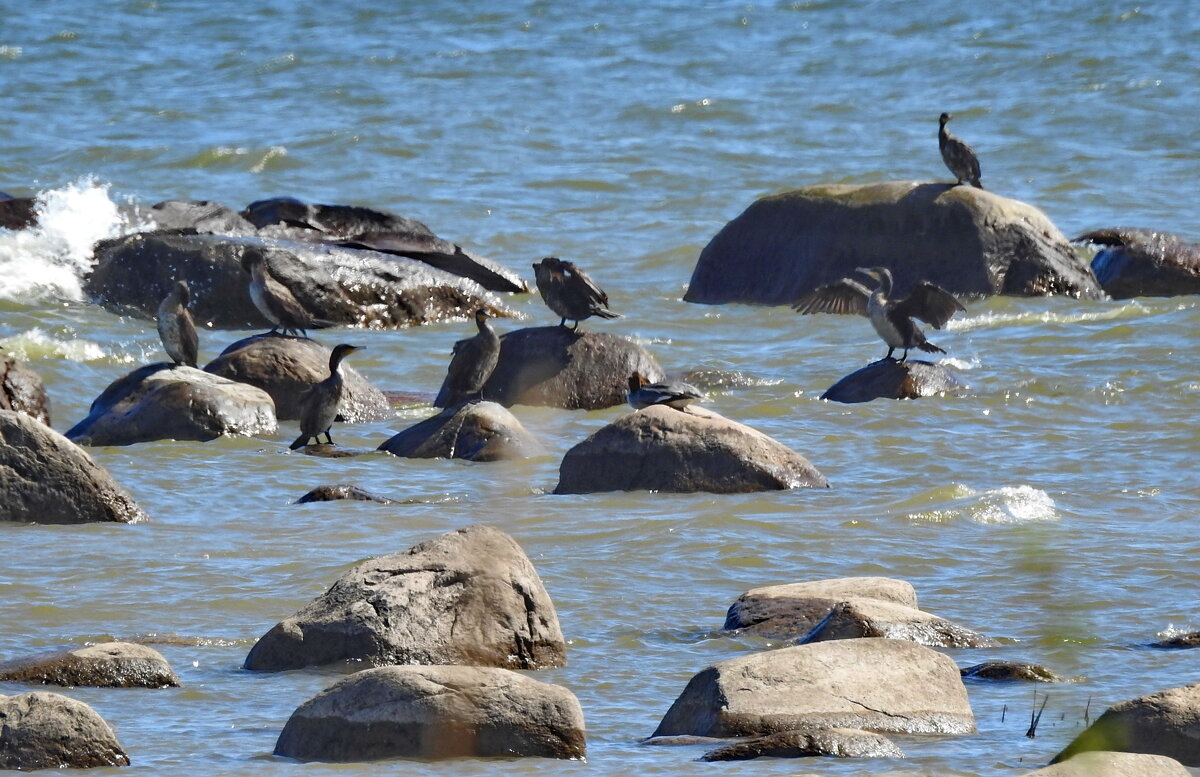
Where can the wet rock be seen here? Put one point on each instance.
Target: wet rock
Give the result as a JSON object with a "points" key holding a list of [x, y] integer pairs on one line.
{"points": [[553, 366], [107, 665], [49, 479], [1163, 723], [790, 611], [50, 731], [285, 367], [663, 449], [202, 216], [1006, 671], [470, 596], [1110, 764], [22, 390], [859, 618], [1178, 642], [966, 240], [891, 379], [475, 431], [18, 212], [1144, 263], [164, 401], [882, 685], [340, 491], [838, 742], [435, 712]]}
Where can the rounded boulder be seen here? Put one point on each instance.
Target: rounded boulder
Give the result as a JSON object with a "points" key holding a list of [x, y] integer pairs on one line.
{"points": [[892, 379], [51, 731], [792, 610], [107, 665], [474, 431]]}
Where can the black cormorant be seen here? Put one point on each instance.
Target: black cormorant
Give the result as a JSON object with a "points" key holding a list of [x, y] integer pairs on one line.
{"points": [[176, 328], [319, 403], [471, 365], [957, 155], [676, 394], [569, 292], [275, 300]]}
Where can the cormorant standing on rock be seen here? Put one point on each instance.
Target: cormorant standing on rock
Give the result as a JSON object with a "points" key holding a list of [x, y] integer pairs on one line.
{"points": [[471, 365], [957, 155], [569, 292], [275, 300], [176, 328], [643, 394], [319, 404], [892, 319]]}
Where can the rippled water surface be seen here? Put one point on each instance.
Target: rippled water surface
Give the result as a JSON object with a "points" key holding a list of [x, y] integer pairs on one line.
{"points": [[1052, 505]]}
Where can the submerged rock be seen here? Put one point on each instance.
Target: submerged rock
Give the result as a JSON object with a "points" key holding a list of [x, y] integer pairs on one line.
{"points": [[1006, 671], [1113, 764], [892, 379], [837, 742], [858, 618], [1144, 263], [1162, 723], [341, 491], [475, 431], [107, 665], [793, 610], [51, 731], [22, 390]]}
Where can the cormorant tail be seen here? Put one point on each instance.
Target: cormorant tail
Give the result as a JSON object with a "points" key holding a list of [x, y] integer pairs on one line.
{"points": [[300, 442], [929, 347]]}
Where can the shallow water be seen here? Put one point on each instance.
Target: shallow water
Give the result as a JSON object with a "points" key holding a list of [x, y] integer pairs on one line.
{"points": [[1051, 505]]}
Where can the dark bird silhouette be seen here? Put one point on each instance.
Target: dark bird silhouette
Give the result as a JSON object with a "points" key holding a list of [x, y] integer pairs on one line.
{"points": [[176, 328], [569, 292], [957, 155], [892, 319], [319, 403], [643, 394], [471, 365], [276, 301]]}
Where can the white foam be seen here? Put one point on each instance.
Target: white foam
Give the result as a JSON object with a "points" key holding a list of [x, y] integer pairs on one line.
{"points": [[37, 344], [1020, 504]]}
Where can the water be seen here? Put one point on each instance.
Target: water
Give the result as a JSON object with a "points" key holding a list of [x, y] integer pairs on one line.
{"points": [[1051, 506]]}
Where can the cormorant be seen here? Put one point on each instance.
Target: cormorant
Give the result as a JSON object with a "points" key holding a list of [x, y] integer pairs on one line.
{"points": [[471, 365], [957, 155], [677, 395], [176, 328], [319, 403], [275, 300], [892, 319], [569, 292]]}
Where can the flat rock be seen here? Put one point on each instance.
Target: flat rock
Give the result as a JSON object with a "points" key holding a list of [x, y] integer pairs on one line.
{"points": [[553, 366], [1099, 763], [470, 597], [22, 390], [165, 401], [1008, 671], [475, 431], [882, 685], [285, 367], [51, 731], [107, 665], [1144, 262], [663, 449], [792, 610], [893, 379], [341, 491], [435, 712], [1163, 723], [966, 240], [49, 479], [837, 742], [1179, 641], [865, 618]]}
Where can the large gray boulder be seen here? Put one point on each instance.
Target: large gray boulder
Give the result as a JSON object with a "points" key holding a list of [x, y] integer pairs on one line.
{"points": [[51, 731], [882, 685], [966, 240], [663, 449], [435, 712], [1144, 262], [106, 665], [864, 618], [792, 610], [165, 401], [554, 366], [49, 479], [1109, 764], [470, 596], [474, 431], [835, 742], [892, 379], [285, 367], [22, 390], [1163, 723]]}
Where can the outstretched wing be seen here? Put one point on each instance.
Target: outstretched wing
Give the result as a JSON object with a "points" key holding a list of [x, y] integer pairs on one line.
{"points": [[846, 296], [932, 304]]}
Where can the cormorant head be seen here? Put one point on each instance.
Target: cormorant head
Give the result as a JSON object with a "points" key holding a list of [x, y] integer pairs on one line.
{"points": [[481, 317], [183, 292], [341, 351], [636, 381], [881, 275], [945, 117]]}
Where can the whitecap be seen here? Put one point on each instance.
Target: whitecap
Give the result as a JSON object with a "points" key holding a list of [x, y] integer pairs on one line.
{"points": [[37, 344], [1019, 504]]}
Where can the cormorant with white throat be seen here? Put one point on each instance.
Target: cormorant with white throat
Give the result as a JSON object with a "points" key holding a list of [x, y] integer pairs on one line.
{"points": [[176, 328]]}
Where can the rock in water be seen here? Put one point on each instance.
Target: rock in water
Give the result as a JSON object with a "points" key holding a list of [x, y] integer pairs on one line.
{"points": [[792, 610], [51, 731], [1104, 763], [476, 431], [1144, 263], [1163, 723], [857, 618], [837, 742], [22, 390], [107, 665], [891, 379]]}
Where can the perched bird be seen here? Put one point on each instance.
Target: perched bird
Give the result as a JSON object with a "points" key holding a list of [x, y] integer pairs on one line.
{"points": [[275, 300], [677, 395], [957, 155], [569, 292], [176, 328], [892, 319], [471, 365], [319, 403]]}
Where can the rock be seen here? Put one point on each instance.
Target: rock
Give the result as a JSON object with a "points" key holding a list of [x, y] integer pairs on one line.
{"points": [[165, 401], [663, 449], [285, 366], [1178, 642], [839, 742], [1011, 670], [475, 431], [1110, 764], [966, 240], [1163, 723], [18, 212], [435, 712], [211, 218], [107, 665], [333, 493], [554, 366], [889, 379], [1144, 263], [790, 611], [22, 390], [349, 287], [49, 479], [468, 597], [884, 685], [859, 618], [50, 731]]}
